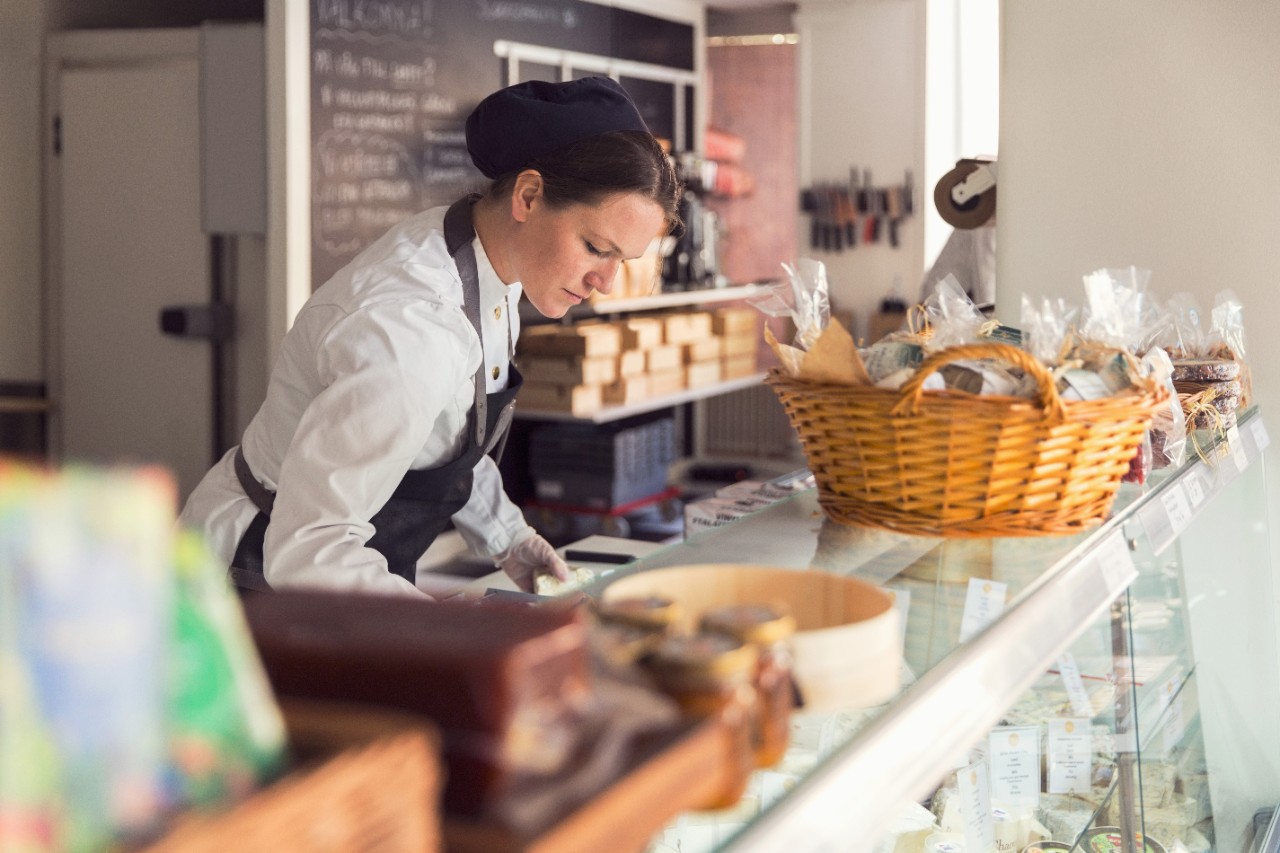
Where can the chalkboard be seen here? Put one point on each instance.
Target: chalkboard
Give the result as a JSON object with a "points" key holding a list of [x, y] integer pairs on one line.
{"points": [[392, 82]]}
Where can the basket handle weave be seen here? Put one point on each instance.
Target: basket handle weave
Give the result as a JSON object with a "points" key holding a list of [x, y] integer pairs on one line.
{"points": [[1050, 400]]}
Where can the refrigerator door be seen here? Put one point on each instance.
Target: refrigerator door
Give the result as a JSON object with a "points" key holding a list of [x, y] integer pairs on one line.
{"points": [[129, 244]]}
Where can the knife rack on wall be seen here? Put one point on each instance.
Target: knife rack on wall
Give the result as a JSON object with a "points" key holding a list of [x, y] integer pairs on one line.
{"points": [[859, 212]]}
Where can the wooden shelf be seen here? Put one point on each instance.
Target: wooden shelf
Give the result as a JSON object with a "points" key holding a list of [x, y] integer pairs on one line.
{"points": [[23, 405], [613, 413], [674, 299]]}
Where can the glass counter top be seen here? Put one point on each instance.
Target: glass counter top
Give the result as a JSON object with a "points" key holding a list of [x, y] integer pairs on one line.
{"points": [[854, 768]]}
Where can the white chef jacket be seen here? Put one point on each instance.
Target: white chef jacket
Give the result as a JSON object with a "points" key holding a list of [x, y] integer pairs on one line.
{"points": [[376, 376]]}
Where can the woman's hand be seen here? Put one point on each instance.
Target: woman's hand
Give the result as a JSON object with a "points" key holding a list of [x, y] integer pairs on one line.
{"points": [[529, 556]]}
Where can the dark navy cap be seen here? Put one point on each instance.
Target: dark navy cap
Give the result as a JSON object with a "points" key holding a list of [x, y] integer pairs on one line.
{"points": [[520, 123]]}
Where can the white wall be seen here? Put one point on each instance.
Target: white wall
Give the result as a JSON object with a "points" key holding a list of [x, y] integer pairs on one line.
{"points": [[892, 85], [861, 104], [21, 66], [1146, 133]]}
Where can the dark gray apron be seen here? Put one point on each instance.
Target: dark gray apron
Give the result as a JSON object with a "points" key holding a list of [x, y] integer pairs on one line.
{"points": [[423, 503]]}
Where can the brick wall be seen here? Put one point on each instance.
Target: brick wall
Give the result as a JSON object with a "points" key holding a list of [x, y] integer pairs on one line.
{"points": [[752, 95]]}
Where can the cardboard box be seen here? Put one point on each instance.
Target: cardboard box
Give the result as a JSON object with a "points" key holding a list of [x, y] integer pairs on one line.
{"points": [[641, 333], [740, 344], [666, 382], [631, 363], [628, 390], [686, 327], [600, 370], [738, 366], [707, 349], [735, 321], [664, 357], [702, 373], [588, 340], [575, 399], [882, 324]]}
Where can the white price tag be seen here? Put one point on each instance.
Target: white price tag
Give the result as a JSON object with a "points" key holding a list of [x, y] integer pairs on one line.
{"points": [[1260, 437], [1155, 520], [1195, 488], [1174, 500], [1235, 445], [975, 805], [1014, 756], [982, 605], [1116, 563], [1071, 680], [1070, 756]]}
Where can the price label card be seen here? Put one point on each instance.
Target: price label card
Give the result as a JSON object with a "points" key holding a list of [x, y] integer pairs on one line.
{"points": [[975, 806], [982, 605], [1235, 445], [774, 786], [1071, 680], [1260, 437], [1195, 488], [1155, 521], [1070, 756], [1013, 754], [1116, 563], [1174, 501]]}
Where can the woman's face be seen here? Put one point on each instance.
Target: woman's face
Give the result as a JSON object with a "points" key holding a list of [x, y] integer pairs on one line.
{"points": [[564, 254]]}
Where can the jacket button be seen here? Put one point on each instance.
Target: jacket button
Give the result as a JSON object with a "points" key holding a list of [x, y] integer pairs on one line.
{"points": [[497, 312], [495, 371]]}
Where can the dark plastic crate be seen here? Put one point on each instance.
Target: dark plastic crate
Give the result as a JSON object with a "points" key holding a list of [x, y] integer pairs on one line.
{"points": [[601, 466]]}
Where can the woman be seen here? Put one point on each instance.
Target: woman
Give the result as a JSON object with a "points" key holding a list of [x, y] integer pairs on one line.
{"points": [[395, 383]]}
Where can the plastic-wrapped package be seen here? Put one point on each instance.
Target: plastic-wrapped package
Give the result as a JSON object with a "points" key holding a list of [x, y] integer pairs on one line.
{"points": [[952, 315], [1168, 426], [1114, 302], [803, 297], [1047, 328]]}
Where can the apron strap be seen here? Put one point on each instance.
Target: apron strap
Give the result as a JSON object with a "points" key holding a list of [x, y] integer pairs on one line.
{"points": [[458, 235], [262, 497]]}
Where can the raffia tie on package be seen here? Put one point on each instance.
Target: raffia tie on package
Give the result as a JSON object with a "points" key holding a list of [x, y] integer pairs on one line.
{"points": [[953, 464], [1199, 407]]}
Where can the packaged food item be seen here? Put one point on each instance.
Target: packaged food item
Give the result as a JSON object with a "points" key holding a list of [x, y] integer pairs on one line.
{"points": [[225, 730], [505, 683], [769, 629], [90, 552], [710, 675]]}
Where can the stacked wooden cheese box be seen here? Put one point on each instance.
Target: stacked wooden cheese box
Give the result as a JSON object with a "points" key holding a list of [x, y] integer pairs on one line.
{"points": [[582, 367]]}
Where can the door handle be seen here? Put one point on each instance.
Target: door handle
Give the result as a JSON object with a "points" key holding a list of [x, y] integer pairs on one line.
{"points": [[213, 322]]}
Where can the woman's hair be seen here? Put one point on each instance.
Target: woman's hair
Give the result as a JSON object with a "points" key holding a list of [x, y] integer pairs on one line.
{"points": [[591, 169]]}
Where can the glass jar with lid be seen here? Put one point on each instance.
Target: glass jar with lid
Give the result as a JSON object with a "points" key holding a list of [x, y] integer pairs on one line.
{"points": [[647, 611], [710, 675], [769, 629]]}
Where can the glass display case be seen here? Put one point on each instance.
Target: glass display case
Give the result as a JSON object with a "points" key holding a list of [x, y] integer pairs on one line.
{"points": [[1127, 677]]}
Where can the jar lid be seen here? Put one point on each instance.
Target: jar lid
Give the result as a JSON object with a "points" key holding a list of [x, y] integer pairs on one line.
{"points": [[750, 623], [623, 643], [705, 654], [650, 611]]}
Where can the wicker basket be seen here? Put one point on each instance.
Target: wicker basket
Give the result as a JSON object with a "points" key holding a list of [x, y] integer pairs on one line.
{"points": [[948, 463], [376, 788]]}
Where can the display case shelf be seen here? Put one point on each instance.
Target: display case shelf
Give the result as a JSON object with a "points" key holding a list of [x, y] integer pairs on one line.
{"points": [[1171, 679], [615, 413]]}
